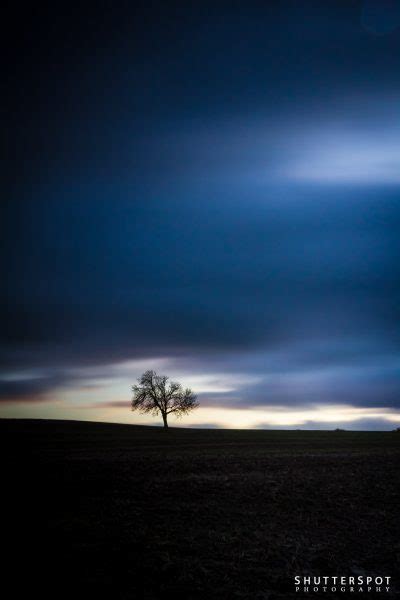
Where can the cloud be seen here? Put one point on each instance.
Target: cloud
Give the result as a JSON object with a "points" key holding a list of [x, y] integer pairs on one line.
{"points": [[236, 228], [380, 16], [338, 156], [111, 404], [35, 388], [371, 424]]}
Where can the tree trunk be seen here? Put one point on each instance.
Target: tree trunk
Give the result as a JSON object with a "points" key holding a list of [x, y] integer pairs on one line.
{"points": [[164, 416]]}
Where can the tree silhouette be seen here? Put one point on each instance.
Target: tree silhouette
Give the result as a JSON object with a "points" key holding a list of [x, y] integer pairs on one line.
{"points": [[155, 393]]}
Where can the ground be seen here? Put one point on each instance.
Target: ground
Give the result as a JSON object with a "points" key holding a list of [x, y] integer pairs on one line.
{"points": [[130, 512]]}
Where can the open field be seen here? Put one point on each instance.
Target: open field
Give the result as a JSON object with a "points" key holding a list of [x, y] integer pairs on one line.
{"points": [[130, 512]]}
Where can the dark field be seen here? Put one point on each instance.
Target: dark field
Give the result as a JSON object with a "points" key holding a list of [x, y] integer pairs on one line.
{"points": [[130, 512]]}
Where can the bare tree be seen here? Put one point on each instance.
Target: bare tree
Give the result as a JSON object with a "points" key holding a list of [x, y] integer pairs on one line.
{"points": [[155, 393]]}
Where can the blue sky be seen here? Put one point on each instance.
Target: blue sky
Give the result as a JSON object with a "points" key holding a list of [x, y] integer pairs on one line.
{"points": [[212, 192]]}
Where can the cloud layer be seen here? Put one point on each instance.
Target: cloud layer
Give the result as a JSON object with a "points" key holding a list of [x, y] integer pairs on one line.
{"points": [[216, 199]]}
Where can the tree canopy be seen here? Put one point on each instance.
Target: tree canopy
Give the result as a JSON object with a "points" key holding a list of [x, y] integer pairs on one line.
{"points": [[157, 394]]}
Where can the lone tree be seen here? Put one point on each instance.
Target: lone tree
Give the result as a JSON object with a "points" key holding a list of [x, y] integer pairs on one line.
{"points": [[155, 393]]}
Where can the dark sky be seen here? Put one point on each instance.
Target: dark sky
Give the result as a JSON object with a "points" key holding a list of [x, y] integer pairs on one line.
{"points": [[211, 189]]}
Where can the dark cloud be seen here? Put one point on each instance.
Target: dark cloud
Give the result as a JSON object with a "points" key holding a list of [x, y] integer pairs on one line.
{"points": [[219, 187], [381, 16], [32, 388], [111, 404]]}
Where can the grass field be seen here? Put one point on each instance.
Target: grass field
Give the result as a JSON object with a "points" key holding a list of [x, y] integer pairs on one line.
{"points": [[130, 512]]}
